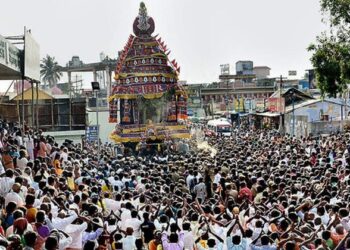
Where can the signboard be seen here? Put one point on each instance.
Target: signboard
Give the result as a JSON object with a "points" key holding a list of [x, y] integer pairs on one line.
{"points": [[239, 105], [292, 72], [189, 112], [196, 101], [31, 57], [10, 60], [225, 69], [91, 133], [276, 104], [260, 103]]}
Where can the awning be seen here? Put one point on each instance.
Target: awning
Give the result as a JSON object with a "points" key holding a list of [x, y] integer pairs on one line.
{"points": [[268, 114]]}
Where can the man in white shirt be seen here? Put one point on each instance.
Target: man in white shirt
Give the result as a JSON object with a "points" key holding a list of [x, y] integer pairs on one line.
{"points": [[189, 237], [135, 224], [64, 156], [14, 195], [125, 215], [63, 221], [76, 232], [189, 179], [129, 240], [200, 190], [217, 176], [6, 182]]}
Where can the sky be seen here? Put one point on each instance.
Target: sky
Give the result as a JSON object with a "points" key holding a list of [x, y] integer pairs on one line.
{"points": [[201, 34]]}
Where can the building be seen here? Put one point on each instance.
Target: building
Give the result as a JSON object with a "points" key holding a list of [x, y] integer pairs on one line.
{"points": [[261, 72], [194, 101], [41, 110], [315, 116], [244, 68]]}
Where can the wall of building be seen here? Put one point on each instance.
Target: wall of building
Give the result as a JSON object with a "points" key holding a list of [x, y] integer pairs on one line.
{"points": [[261, 72], [313, 111], [307, 119], [61, 136]]}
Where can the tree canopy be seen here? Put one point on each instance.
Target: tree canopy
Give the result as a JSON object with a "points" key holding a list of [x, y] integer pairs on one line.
{"points": [[331, 52], [50, 71]]}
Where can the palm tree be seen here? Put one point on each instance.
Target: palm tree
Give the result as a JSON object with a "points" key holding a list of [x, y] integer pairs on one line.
{"points": [[50, 71]]}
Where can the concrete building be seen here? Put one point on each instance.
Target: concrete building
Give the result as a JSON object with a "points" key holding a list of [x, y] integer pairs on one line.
{"points": [[314, 116], [244, 67], [261, 72]]}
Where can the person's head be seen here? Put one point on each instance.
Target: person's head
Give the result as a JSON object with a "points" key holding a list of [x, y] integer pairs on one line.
{"points": [[339, 229], [30, 199], [138, 243], [290, 245], [9, 173], [173, 238], [236, 239], [90, 245], [186, 226], [133, 213], [326, 234], [40, 216], [16, 187], [20, 225], [211, 243], [343, 212], [18, 214], [129, 230], [11, 207], [30, 238], [22, 153], [51, 243], [265, 240]]}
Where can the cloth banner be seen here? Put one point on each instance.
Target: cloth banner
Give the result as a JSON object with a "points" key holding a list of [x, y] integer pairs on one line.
{"points": [[113, 111], [126, 111]]}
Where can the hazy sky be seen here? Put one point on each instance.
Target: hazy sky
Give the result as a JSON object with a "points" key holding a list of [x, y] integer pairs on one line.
{"points": [[202, 34]]}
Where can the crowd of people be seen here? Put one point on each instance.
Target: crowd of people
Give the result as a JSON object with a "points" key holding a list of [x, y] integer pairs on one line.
{"points": [[261, 191]]}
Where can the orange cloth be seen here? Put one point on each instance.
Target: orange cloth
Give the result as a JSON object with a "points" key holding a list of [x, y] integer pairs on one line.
{"points": [[31, 214], [152, 245], [7, 161], [42, 150], [57, 166], [337, 238]]}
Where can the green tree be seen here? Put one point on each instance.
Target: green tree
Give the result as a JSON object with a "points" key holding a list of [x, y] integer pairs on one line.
{"points": [[331, 52], [50, 71]]}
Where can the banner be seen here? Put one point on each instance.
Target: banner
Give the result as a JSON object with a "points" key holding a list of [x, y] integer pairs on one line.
{"points": [[276, 104], [113, 111], [126, 112]]}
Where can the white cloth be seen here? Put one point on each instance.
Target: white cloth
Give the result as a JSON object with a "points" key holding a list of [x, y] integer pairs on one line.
{"points": [[64, 242], [16, 198], [76, 232], [129, 242], [22, 163], [188, 240], [62, 223], [5, 185], [136, 225]]}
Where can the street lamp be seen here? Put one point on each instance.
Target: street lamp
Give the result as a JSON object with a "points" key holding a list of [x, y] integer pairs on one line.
{"points": [[96, 88]]}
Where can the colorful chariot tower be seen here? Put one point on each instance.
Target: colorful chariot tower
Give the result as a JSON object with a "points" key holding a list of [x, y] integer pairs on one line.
{"points": [[146, 101]]}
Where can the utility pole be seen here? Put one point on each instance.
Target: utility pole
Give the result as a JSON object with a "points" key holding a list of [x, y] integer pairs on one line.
{"points": [[293, 125], [281, 114]]}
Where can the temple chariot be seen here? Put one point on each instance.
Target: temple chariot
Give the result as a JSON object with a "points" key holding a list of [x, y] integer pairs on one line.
{"points": [[146, 102]]}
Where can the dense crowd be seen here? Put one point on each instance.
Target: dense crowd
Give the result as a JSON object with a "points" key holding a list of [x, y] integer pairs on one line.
{"points": [[260, 191]]}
